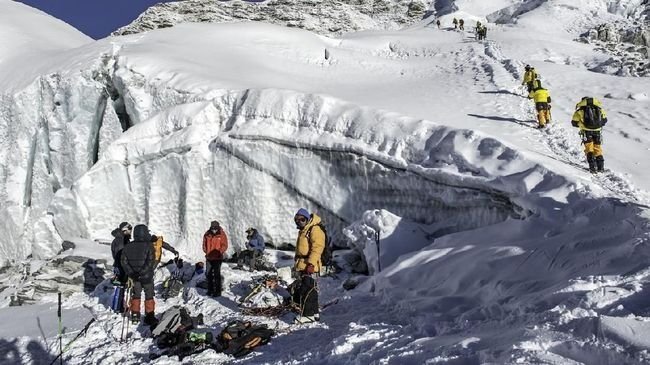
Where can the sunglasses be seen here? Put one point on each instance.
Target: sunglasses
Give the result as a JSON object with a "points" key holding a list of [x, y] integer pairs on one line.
{"points": [[300, 219]]}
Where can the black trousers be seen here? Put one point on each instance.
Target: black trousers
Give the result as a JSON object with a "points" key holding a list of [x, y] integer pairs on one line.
{"points": [[213, 277], [138, 287], [305, 294]]}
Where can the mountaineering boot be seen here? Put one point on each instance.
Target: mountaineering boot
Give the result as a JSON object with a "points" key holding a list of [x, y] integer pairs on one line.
{"points": [[135, 317], [592, 162], [600, 164], [150, 320]]}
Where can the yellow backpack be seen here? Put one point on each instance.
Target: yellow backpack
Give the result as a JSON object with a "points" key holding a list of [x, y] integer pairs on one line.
{"points": [[157, 248]]}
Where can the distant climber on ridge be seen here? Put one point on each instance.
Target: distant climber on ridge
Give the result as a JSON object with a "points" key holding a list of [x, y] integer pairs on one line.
{"points": [[529, 77]]}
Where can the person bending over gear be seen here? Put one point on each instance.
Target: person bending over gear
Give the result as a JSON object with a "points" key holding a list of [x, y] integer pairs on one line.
{"points": [[590, 117], [158, 245], [542, 100], [255, 249], [309, 248], [215, 244], [529, 77], [137, 260]]}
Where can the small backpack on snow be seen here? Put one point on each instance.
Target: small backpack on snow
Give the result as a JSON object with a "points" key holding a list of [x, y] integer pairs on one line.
{"points": [[173, 325], [240, 338]]}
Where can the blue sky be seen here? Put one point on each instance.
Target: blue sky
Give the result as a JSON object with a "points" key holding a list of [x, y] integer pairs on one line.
{"points": [[95, 18]]}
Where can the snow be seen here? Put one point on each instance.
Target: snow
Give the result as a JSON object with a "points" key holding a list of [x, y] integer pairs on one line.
{"points": [[495, 246]]}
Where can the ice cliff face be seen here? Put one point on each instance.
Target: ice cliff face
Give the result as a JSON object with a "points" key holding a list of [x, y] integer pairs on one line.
{"points": [[324, 17], [52, 132]]}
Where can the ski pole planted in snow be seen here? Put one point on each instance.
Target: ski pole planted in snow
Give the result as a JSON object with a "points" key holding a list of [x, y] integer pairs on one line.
{"points": [[58, 312]]}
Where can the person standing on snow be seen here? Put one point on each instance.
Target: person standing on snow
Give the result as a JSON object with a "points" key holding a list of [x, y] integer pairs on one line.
{"points": [[255, 248], [455, 22], [309, 248], [215, 244], [529, 77], [438, 23], [461, 24], [542, 100], [590, 117], [122, 236], [137, 260]]}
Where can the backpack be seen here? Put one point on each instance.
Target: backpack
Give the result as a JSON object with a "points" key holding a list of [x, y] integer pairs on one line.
{"points": [[239, 338], [173, 325], [326, 256], [592, 115], [157, 248]]}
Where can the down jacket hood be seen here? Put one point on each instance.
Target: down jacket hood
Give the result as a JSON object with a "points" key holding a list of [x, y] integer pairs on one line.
{"points": [[141, 233]]}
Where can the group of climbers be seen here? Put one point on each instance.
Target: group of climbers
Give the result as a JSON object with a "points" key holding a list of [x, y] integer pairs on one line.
{"points": [[480, 31], [539, 95], [136, 259], [589, 116], [134, 265]]}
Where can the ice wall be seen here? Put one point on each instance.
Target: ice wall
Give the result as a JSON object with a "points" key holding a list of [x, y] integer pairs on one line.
{"points": [[253, 157], [51, 133]]}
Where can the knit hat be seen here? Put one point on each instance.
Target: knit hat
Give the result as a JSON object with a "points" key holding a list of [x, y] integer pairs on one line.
{"points": [[303, 212], [214, 224]]}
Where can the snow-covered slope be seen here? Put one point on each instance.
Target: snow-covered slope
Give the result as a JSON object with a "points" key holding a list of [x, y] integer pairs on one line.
{"points": [[323, 16], [495, 245]]}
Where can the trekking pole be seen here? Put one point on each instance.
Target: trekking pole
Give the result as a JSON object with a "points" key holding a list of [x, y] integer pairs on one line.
{"points": [[58, 312], [378, 251], [125, 318], [67, 346]]}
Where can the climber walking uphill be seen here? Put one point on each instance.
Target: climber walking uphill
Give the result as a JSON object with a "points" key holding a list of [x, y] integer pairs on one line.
{"points": [[215, 244], [137, 260], [309, 248], [542, 100], [529, 77], [455, 22], [461, 24], [590, 117]]}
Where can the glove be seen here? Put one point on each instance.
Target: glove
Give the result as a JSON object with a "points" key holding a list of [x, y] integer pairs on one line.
{"points": [[176, 254], [309, 269]]}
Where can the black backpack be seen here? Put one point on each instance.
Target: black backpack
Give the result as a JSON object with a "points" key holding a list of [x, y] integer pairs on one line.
{"points": [[326, 256], [173, 325], [239, 338], [592, 115]]}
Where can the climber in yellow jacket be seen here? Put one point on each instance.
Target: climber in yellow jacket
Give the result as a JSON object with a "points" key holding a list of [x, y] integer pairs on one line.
{"points": [[542, 99], [529, 77], [590, 117]]}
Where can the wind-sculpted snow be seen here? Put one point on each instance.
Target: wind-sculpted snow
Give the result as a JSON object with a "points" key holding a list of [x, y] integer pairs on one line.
{"points": [[268, 152]]}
